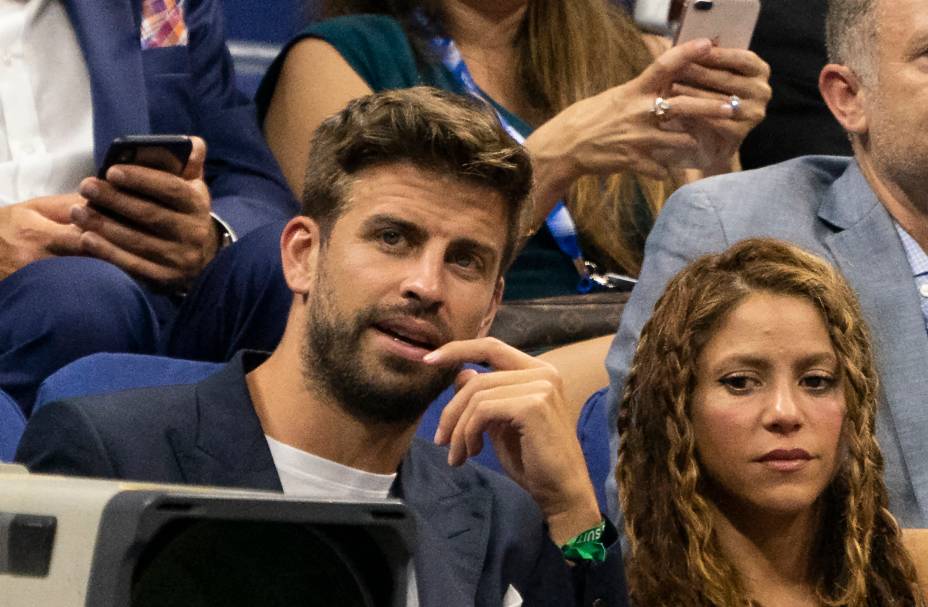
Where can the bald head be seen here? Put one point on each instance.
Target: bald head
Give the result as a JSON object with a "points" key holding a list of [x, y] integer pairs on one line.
{"points": [[850, 34]]}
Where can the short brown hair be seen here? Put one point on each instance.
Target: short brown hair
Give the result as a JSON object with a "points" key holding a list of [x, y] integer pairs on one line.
{"points": [[850, 35], [675, 558], [430, 128]]}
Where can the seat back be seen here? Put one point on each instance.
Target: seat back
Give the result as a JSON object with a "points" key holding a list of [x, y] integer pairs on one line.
{"points": [[107, 372], [12, 423], [256, 31]]}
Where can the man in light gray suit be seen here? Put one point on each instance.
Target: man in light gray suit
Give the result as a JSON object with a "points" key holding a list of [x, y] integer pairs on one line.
{"points": [[868, 215]]}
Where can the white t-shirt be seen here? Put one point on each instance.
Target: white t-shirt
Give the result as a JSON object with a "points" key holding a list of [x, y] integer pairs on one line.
{"points": [[306, 475]]}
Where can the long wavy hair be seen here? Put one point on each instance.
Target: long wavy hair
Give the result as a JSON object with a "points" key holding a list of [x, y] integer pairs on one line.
{"points": [[569, 50], [675, 558]]}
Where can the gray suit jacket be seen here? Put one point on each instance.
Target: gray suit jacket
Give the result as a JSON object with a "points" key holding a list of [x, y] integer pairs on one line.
{"points": [[477, 531], [824, 205]]}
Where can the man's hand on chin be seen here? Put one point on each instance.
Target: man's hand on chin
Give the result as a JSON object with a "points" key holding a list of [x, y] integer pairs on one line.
{"points": [[36, 229], [521, 406], [154, 225]]}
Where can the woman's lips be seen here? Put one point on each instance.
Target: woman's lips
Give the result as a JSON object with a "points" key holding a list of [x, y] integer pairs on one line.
{"points": [[785, 460]]}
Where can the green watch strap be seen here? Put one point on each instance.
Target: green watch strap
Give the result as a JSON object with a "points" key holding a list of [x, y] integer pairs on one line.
{"points": [[587, 546]]}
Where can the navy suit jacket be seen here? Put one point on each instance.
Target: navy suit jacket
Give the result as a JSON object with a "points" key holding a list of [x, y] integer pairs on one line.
{"points": [[477, 532], [181, 89]]}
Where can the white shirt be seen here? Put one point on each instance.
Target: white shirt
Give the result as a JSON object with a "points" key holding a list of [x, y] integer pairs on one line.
{"points": [[307, 475], [46, 114]]}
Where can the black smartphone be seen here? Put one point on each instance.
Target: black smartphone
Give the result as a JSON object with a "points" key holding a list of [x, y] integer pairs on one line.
{"points": [[167, 153]]}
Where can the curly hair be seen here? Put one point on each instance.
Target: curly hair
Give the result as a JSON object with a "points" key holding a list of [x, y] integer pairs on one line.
{"points": [[675, 558]]}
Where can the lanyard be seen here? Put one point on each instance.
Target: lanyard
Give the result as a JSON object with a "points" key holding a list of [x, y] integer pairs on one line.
{"points": [[559, 222]]}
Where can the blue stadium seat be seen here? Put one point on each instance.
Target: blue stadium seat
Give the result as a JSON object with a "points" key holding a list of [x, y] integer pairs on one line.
{"points": [[12, 423], [256, 31]]}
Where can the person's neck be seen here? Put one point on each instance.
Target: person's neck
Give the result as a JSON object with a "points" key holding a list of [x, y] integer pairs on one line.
{"points": [[908, 206], [773, 553], [485, 33], [307, 418], [484, 24]]}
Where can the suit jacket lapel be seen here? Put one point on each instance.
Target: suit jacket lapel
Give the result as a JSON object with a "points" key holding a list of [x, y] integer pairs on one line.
{"points": [[452, 525], [869, 253], [228, 448], [109, 34]]}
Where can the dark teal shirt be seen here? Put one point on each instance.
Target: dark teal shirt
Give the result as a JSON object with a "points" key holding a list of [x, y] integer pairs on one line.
{"points": [[377, 48]]}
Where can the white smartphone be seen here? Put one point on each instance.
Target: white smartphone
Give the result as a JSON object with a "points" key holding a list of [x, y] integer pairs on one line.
{"points": [[658, 16], [728, 23]]}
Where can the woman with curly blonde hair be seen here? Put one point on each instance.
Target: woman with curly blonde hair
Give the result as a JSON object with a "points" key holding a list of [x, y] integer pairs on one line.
{"points": [[748, 469]]}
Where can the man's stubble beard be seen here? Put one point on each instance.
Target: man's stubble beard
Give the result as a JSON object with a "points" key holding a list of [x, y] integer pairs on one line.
{"points": [[899, 154], [334, 361]]}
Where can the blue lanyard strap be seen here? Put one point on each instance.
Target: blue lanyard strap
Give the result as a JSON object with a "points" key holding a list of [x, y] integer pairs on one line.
{"points": [[559, 222]]}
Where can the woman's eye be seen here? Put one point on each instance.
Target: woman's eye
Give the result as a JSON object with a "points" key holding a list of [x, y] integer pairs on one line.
{"points": [[739, 383], [817, 383]]}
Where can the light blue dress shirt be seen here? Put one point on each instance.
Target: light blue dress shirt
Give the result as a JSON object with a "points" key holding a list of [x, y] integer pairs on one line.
{"points": [[918, 260]]}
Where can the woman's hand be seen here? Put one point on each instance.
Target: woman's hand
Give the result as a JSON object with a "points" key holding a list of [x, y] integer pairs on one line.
{"points": [[724, 72], [617, 130]]}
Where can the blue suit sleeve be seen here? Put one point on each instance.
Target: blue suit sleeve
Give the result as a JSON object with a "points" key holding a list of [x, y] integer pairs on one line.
{"points": [[60, 439], [245, 182], [687, 228], [588, 584]]}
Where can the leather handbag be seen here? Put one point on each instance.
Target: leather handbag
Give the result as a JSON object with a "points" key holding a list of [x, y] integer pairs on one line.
{"points": [[535, 325]]}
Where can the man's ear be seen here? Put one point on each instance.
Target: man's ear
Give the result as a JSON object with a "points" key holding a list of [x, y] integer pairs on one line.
{"points": [[846, 97], [299, 250], [487, 321]]}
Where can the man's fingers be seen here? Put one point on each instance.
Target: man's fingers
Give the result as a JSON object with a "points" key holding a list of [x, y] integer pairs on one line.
{"points": [[65, 239], [58, 207], [507, 405], [145, 213], [666, 68], [463, 377], [152, 248], [471, 383], [195, 164], [487, 350], [132, 264], [168, 190]]}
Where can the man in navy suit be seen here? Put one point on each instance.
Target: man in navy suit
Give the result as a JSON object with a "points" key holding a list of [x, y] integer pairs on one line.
{"points": [[413, 206], [81, 257]]}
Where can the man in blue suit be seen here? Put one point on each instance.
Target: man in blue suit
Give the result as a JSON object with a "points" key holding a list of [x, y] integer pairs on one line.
{"points": [[77, 74], [868, 215], [413, 206]]}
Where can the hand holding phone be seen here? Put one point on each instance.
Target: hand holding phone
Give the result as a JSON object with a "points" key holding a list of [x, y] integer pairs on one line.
{"points": [[154, 222]]}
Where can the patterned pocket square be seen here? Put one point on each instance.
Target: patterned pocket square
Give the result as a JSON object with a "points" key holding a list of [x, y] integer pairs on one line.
{"points": [[163, 24]]}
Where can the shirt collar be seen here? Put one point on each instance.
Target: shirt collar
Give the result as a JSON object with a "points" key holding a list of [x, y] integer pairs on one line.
{"points": [[918, 259]]}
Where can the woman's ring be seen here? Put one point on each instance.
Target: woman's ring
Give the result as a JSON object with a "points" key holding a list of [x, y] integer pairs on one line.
{"points": [[660, 108], [734, 102]]}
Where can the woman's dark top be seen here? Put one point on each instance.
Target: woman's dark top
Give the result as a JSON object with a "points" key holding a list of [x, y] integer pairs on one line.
{"points": [[377, 48]]}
